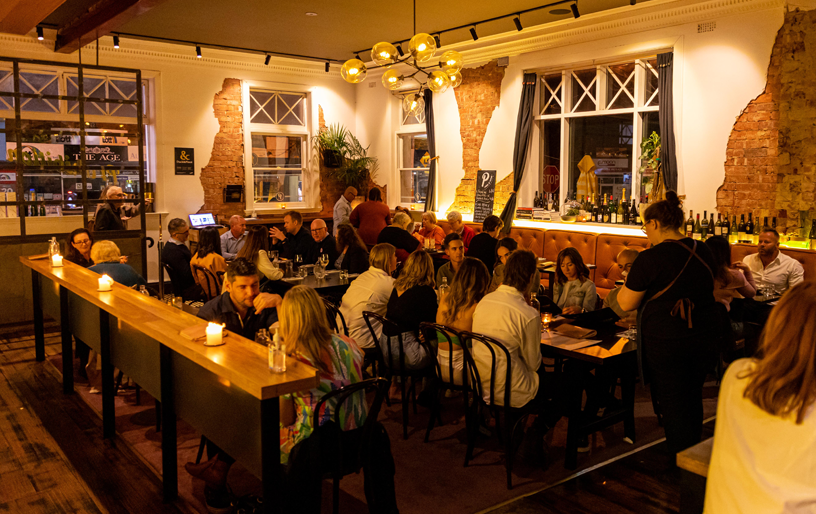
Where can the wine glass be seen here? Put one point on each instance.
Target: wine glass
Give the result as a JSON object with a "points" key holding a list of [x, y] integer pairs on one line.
{"points": [[298, 260], [324, 259]]}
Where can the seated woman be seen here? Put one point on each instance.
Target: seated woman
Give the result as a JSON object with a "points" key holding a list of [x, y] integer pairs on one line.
{"points": [[208, 252], [729, 281], [573, 291], [624, 260], [503, 250], [762, 459], [255, 251], [353, 254], [412, 301], [79, 246], [306, 336], [469, 286], [369, 292], [107, 259], [430, 230]]}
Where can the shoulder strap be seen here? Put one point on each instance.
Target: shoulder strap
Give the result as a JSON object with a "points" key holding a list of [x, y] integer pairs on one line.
{"points": [[692, 252]]}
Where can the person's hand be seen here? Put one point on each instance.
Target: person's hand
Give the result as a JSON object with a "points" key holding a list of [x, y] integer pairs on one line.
{"points": [[276, 233], [123, 259], [266, 301], [571, 310], [741, 266]]}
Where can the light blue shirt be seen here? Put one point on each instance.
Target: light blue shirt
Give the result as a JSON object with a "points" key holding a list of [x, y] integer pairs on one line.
{"points": [[576, 294], [231, 245]]}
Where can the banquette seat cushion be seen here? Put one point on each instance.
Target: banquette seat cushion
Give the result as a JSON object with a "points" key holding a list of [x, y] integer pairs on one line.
{"points": [[806, 257], [607, 248]]}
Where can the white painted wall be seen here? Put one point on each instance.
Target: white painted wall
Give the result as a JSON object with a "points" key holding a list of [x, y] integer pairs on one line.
{"points": [[716, 74]]}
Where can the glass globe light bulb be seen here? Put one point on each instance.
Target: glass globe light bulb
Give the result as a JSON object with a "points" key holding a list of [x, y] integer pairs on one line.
{"points": [[353, 71], [438, 81], [455, 79], [422, 47], [451, 62], [392, 79], [384, 54], [413, 104]]}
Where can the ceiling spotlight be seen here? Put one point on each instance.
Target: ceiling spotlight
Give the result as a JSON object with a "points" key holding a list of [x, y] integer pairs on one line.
{"points": [[399, 49], [311, 14], [575, 13], [632, 2], [327, 66], [198, 51], [517, 21], [438, 41], [266, 60], [40, 33], [116, 41], [357, 55], [473, 34]]}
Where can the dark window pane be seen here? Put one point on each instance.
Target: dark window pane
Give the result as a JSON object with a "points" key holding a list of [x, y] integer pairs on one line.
{"points": [[607, 142], [583, 90]]}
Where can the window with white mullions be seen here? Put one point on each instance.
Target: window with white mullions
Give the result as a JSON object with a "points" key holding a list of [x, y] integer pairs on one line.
{"points": [[277, 167], [652, 97], [39, 83], [415, 162], [103, 87], [550, 94], [620, 86], [277, 108], [584, 97]]}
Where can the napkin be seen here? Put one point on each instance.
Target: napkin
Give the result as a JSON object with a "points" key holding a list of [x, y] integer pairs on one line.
{"points": [[575, 332]]}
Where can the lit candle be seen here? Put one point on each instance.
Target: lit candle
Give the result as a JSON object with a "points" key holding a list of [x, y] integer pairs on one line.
{"points": [[214, 334], [56, 260], [412, 207], [283, 206], [105, 283]]}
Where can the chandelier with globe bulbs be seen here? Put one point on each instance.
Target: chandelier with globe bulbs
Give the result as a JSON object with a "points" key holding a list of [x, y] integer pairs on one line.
{"points": [[421, 48]]}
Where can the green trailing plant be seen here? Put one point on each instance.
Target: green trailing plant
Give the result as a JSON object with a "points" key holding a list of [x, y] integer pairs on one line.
{"points": [[650, 152]]}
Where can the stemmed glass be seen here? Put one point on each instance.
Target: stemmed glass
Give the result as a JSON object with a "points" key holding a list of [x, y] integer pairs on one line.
{"points": [[324, 259]]}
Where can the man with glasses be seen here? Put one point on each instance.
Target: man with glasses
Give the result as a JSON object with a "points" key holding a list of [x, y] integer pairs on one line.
{"points": [[113, 215], [177, 256], [326, 244]]}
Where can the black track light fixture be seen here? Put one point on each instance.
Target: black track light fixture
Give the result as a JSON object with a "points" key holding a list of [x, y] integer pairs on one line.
{"points": [[575, 13], [473, 34], [40, 33], [198, 51], [438, 40], [632, 2], [267, 59], [517, 21], [116, 41], [327, 66], [357, 55], [400, 50]]}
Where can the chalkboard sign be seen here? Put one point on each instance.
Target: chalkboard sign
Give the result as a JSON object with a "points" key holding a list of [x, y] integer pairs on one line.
{"points": [[485, 191], [185, 161]]}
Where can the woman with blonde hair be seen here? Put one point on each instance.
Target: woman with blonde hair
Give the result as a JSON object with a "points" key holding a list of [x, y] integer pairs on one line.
{"points": [[765, 437], [430, 230], [107, 259], [470, 284], [255, 251]]}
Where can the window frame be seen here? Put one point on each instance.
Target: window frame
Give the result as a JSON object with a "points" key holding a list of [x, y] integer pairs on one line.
{"points": [[642, 67], [407, 130]]}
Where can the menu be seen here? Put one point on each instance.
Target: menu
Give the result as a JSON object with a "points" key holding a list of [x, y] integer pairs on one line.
{"points": [[485, 192]]}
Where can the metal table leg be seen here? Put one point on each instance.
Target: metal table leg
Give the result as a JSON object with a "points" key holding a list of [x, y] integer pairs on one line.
{"points": [[108, 407], [168, 416], [272, 478], [67, 343], [39, 330]]}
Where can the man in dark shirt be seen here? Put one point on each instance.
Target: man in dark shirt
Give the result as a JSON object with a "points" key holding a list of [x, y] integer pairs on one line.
{"points": [[483, 244], [296, 240], [243, 309], [398, 235], [326, 244], [177, 255], [109, 216]]}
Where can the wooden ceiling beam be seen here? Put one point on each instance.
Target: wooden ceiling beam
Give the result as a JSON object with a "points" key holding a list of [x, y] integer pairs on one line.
{"points": [[101, 19], [21, 16]]}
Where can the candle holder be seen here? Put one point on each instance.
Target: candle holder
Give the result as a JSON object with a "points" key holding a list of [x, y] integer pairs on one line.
{"points": [[56, 261], [105, 283], [215, 335]]}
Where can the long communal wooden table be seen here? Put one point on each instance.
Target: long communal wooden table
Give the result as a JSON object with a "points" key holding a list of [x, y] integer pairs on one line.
{"points": [[227, 392]]}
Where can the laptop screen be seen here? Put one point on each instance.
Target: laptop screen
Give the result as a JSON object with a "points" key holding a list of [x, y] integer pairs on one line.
{"points": [[200, 220]]}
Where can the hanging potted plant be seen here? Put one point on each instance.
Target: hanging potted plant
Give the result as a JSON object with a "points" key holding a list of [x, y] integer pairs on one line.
{"points": [[331, 144], [357, 165]]}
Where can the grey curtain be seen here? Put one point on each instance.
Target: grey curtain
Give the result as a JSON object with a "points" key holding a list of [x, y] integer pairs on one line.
{"points": [[668, 152], [430, 197], [524, 125]]}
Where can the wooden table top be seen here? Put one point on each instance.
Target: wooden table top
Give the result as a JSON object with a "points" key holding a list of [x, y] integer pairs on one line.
{"points": [[240, 361], [612, 344], [697, 458], [332, 279]]}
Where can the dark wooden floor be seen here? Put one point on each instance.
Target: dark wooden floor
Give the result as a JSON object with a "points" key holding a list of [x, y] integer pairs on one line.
{"points": [[52, 455]]}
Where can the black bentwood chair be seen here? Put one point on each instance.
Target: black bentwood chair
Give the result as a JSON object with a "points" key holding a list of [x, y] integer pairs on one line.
{"points": [[512, 417], [344, 453], [396, 367], [333, 313]]}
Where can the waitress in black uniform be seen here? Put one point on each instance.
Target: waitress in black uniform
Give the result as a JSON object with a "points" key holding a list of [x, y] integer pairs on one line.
{"points": [[672, 287]]}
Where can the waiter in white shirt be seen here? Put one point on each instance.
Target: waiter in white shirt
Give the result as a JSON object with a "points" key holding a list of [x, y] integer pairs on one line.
{"points": [[342, 209], [772, 267]]}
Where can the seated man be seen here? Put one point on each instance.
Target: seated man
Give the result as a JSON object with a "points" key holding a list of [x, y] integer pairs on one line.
{"points": [[772, 268], [455, 250], [483, 245], [294, 241], [457, 226], [326, 244], [624, 259], [243, 309], [178, 256], [233, 239], [398, 234]]}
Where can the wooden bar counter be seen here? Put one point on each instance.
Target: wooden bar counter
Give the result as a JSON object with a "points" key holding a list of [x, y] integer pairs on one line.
{"points": [[226, 392]]}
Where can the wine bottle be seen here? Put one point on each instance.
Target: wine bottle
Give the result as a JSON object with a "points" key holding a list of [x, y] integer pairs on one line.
{"points": [[718, 227], [613, 211], [733, 235], [765, 223], [535, 200], [773, 223], [711, 226], [749, 229], [690, 224], [634, 215], [757, 230], [549, 201], [741, 229], [606, 214], [697, 233], [726, 228], [812, 242], [623, 212], [704, 226], [555, 202]]}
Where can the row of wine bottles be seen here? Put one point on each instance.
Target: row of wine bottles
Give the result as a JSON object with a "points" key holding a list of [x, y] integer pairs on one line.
{"points": [[547, 201], [742, 232], [595, 208]]}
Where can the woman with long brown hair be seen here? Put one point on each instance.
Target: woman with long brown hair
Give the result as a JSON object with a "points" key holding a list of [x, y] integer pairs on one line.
{"points": [[470, 284], [353, 253], [255, 251], [573, 291], [78, 249], [765, 437]]}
